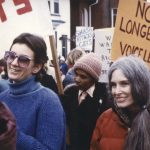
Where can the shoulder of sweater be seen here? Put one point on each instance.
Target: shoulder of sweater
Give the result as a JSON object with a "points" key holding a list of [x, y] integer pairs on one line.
{"points": [[48, 92], [3, 93], [48, 99]]}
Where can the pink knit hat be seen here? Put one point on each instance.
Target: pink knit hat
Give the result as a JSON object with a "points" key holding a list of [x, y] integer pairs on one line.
{"points": [[91, 64]]}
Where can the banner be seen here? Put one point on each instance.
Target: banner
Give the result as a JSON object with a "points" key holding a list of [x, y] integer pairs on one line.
{"points": [[132, 30], [103, 43], [84, 38], [18, 16]]}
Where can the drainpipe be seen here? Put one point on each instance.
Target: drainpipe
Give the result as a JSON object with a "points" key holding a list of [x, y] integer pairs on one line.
{"points": [[90, 11]]}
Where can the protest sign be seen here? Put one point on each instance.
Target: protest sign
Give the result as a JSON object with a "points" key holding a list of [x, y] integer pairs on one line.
{"points": [[18, 16], [103, 43], [132, 30], [84, 38]]}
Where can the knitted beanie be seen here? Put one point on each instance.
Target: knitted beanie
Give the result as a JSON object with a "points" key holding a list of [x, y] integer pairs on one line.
{"points": [[91, 64]]}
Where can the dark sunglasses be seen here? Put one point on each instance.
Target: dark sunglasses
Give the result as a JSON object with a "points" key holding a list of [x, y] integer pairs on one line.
{"points": [[23, 61]]}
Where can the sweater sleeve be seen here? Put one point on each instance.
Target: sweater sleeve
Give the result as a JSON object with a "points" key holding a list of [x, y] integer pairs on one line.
{"points": [[50, 129]]}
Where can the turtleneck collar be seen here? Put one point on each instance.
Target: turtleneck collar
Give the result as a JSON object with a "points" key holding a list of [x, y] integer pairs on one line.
{"points": [[26, 86]]}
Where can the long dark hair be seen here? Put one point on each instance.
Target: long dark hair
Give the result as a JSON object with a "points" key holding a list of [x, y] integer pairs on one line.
{"points": [[137, 72]]}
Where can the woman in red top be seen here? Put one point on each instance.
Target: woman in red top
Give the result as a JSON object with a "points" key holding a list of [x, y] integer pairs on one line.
{"points": [[127, 125]]}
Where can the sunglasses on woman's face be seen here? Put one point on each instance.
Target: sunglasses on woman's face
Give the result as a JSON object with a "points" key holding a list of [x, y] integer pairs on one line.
{"points": [[22, 60]]}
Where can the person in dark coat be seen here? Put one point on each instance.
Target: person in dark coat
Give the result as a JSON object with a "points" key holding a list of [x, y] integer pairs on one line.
{"points": [[48, 81], [84, 101]]}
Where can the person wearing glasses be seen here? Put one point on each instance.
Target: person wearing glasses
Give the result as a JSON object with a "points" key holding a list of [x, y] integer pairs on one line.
{"points": [[39, 115], [127, 125]]}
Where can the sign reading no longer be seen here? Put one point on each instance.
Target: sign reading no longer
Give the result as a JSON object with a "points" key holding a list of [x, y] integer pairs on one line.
{"points": [[132, 31]]}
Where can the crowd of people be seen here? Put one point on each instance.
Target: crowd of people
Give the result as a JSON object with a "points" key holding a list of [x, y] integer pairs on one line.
{"points": [[89, 115]]}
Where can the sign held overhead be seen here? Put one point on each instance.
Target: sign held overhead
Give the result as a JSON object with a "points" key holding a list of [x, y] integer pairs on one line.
{"points": [[18, 16], [132, 30]]}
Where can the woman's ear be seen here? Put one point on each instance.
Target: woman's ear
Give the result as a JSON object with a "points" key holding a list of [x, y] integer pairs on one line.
{"points": [[36, 68]]}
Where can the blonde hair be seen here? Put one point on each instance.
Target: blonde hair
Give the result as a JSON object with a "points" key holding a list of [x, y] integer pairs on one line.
{"points": [[74, 55]]}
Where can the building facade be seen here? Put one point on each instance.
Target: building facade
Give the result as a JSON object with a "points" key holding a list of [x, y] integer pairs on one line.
{"points": [[92, 13], [60, 15], [67, 14]]}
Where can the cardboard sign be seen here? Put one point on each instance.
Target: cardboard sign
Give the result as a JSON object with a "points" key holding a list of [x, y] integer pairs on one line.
{"points": [[18, 16], [132, 31], [103, 44], [84, 38]]}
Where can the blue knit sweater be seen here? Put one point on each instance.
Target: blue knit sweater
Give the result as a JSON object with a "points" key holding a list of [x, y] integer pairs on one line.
{"points": [[39, 115]]}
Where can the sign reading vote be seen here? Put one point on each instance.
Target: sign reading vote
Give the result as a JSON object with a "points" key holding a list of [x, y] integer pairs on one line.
{"points": [[18, 16], [132, 30]]}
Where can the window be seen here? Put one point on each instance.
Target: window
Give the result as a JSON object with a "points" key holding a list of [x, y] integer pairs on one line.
{"points": [[49, 5], [113, 16], [56, 7]]}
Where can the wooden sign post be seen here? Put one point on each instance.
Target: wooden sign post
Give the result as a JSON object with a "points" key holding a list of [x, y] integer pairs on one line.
{"points": [[56, 66]]}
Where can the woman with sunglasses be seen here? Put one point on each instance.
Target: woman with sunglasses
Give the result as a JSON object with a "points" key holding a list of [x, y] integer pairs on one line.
{"points": [[39, 115], [127, 125]]}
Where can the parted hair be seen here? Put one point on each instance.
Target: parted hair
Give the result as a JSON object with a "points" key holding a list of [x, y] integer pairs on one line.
{"points": [[74, 55], [37, 45], [137, 72]]}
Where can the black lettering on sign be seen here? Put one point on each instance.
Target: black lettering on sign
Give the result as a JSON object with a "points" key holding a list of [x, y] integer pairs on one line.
{"points": [[143, 11], [135, 28], [127, 49]]}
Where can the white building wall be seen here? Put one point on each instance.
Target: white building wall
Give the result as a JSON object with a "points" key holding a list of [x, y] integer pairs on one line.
{"points": [[61, 28], [64, 29]]}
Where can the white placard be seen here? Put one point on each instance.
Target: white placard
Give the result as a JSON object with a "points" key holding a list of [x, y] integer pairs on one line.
{"points": [[84, 37], [103, 44], [18, 16]]}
